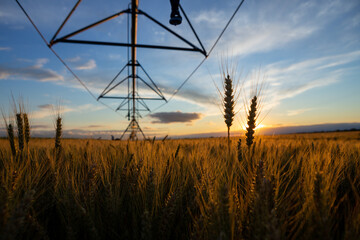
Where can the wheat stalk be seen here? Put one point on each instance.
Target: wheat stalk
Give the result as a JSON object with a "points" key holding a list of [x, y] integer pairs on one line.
{"points": [[20, 127], [26, 128], [19, 121], [254, 110], [17, 219], [229, 94], [239, 150], [229, 105], [251, 122], [11, 136], [58, 132]]}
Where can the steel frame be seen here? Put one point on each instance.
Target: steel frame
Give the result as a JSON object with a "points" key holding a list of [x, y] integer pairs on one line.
{"points": [[133, 65]]}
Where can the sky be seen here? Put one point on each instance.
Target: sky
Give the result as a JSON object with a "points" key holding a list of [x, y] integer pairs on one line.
{"points": [[306, 54]]}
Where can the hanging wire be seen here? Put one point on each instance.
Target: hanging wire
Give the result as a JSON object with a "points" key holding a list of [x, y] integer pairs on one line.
{"points": [[173, 94], [61, 60], [201, 63]]}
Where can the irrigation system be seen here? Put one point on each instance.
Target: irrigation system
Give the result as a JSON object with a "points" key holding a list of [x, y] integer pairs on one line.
{"points": [[133, 103]]}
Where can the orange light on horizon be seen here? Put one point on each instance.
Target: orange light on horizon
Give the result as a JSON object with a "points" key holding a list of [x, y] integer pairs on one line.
{"points": [[256, 128]]}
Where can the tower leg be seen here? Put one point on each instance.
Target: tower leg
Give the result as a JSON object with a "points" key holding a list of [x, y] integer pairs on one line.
{"points": [[134, 11]]}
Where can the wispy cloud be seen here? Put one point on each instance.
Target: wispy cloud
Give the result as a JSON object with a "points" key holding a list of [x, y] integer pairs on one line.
{"points": [[94, 126], [298, 111], [334, 7], [89, 107], [193, 95], [211, 17], [312, 64], [39, 63], [288, 79], [91, 64], [47, 110], [355, 21], [290, 92], [174, 117], [265, 37], [46, 106], [115, 56], [35, 72], [271, 27], [263, 33], [5, 48], [74, 59], [295, 78]]}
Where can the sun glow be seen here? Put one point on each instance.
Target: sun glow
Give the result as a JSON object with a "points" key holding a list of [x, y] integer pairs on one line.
{"points": [[256, 128]]}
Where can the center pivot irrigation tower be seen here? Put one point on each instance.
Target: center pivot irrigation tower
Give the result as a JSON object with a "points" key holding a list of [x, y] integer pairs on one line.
{"points": [[133, 64]]}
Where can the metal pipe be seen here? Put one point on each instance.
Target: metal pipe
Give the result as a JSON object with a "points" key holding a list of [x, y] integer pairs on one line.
{"points": [[160, 95], [134, 10], [192, 28], [171, 31], [129, 45], [141, 110], [112, 81], [90, 26], [66, 19], [144, 98], [103, 94], [152, 81], [122, 104]]}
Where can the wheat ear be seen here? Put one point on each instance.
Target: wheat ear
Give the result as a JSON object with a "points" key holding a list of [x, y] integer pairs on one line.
{"points": [[26, 128], [250, 130], [11, 136], [21, 135], [58, 132], [229, 104]]}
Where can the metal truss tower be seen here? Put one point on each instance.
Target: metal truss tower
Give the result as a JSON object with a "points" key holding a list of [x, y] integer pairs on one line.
{"points": [[134, 67]]}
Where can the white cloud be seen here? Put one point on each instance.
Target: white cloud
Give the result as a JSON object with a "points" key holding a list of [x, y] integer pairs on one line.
{"points": [[91, 64], [212, 17], [355, 21], [4, 74], [40, 62], [300, 88], [292, 79], [5, 48], [266, 37], [89, 107], [35, 72], [270, 27], [74, 59], [312, 65], [298, 111], [334, 7], [47, 110], [115, 56]]}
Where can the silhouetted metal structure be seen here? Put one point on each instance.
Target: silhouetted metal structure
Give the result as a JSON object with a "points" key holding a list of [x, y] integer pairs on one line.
{"points": [[130, 101]]}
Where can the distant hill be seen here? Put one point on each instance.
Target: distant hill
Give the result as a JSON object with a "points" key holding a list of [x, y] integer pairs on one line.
{"points": [[105, 134], [328, 127]]}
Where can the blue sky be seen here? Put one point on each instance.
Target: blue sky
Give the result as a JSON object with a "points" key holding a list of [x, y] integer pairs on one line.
{"points": [[308, 52]]}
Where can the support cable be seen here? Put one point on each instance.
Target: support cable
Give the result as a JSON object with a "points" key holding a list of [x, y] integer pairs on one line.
{"points": [[201, 63], [60, 59], [173, 94]]}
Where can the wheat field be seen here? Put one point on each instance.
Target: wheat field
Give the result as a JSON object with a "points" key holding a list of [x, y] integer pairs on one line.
{"points": [[304, 186]]}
